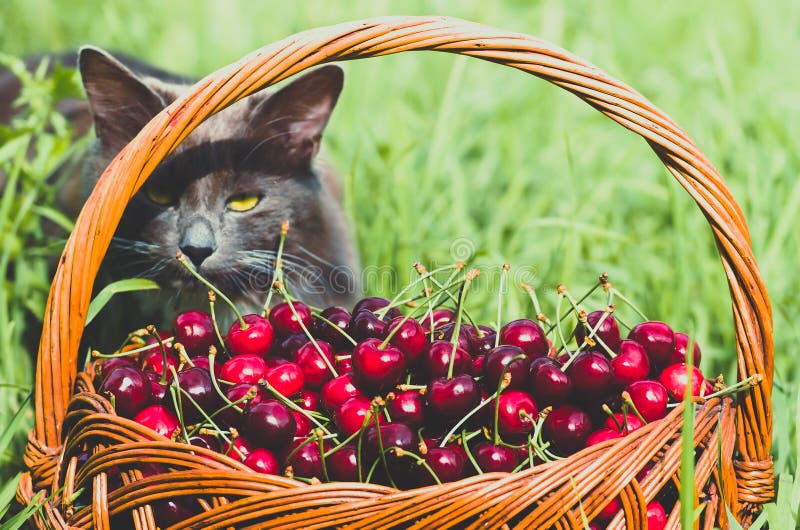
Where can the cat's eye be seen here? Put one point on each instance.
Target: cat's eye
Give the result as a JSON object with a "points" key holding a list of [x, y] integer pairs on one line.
{"points": [[243, 203], [159, 195]]}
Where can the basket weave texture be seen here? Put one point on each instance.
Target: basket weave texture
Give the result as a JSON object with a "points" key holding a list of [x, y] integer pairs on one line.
{"points": [[732, 438]]}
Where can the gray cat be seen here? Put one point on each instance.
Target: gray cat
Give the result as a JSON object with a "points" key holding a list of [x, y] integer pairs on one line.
{"points": [[221, 197]]}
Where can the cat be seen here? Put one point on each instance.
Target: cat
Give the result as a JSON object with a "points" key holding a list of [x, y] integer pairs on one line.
{"points": [[221, 197]]}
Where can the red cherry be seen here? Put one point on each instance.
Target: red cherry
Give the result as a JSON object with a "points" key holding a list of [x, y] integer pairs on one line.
{"points": [[315, 369], [505, 361], [610, 510], [608, 331], [365, 325], [286, 378], [483, 345], [255, 339], [350, 415], [196, 383], [627, 424], [195, 330], [632, 363], [242, 447], [445, 333], [657, 338], [246, 368], [516, 413], [202, 362], [131, 390], [270, 424], [591, 375], [153, 361], [337, 391], [446, 462], [450, 399], [374, 303], [170, 512], [650, 399], [285, 322], [440, 318], [392, 434], [159, 391], [675, 379], [343, 464], [305, 459], [344, 363], [309, 400], [107, 366], [526, 334], [495, 458], [340, 318], [407, 407], [679, 353], [159, 419], [436, 360], [304, 425], [568, 427], [263, 461], [234, 415], [289, 345], [377, 369], [548, 383], [656, 516], [477, 366], [601, 435], [206, 441], [409, 338]]}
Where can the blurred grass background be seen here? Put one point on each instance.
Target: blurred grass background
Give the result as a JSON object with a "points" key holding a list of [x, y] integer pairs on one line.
{"points": [[439, 153]]}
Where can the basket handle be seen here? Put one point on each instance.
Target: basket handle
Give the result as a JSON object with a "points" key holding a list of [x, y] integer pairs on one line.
{"points": [[72, 287]]}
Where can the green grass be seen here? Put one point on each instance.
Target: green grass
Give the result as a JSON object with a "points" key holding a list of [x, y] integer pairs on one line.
{"points": [[441, 154]]}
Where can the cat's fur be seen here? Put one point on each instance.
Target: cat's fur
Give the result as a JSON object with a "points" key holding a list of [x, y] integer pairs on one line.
{"points": [[264, 146]]}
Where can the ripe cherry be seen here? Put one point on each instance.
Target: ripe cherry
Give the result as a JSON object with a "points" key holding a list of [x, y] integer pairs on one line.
{"points": [[446, 462], [305, 459], [206, 441], [407, 407], [484, 344], [622, 423], [195, 330], [246, 368], [516, 413], [591, 375], [440, 318], [568, 427], [338, 390], [351, 415], [656, 516], [548, 383], [495, 458], [254, 339], [304, 424], [131, 390], [338, 317], [196, 383], [632, 363], [650, 399], [170, 512], [657, 338], [409, 338], [526, 334], [315, 370], [263, 461], [372, 304], [610, 510], [377, 369], [289, 345], [285, 322], [309, 400], [159, 419], [365, 325], [450, 399], [601, 435], [392, 434], [679, 353], [240, 448], [202, 362], [270, 424], [343, 464], [159, 391], [344, 363], [234, 415], [675, 379], [503, 362], [109, 365], [445, 333], [608, 331], [153, 361], [286, 378], [436, 360]]}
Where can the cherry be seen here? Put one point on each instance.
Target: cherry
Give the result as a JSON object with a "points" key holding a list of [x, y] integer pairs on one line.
{"points": [[627, 423], [263, 461], [306, 460], [315, 370], [254, 339], [567, 427], [375, 369], [526, 334], [675, 379], [365, 325], [285, 322], [350, 415], [196, 383], [409, 338], [608, 331], [343, 464], [109, 365], [505, 361], [679, 353], [195, 330], [548, 383], [286, 378], [131, 390], [338, 390], [451, 399], [446, 462], [650, 399], [275, 361], [290, 344], [159, 419], [407, 407], [445, 333], [436, 360], [373, 303], [392, 434], [246, 368], [202, 362], [610, 510], [242, 447], [477, 366], [632, 363], [159, 391], [656, 516], [304, 425], [516, 413], [169, 512], [206, 441], [708, 387], [344, 362], [339, 317], [485, 344], [309, 400], [601, 435], [657, 338], [234, 415], [591, 374], [495, 458], [154, 362], [270, 424]]}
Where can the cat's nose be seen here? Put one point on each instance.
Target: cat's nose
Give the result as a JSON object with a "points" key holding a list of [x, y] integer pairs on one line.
{"points": [[198, 241]]}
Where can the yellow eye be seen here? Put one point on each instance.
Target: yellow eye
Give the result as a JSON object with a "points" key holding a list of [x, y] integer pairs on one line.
{"points": [[158, 195], [243, 203]]}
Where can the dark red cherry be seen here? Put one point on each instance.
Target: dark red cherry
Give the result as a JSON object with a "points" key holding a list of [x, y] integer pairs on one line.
{"points": [[679, 353], [272, 362], [483, 344], [311, 362], [234, 415], [608, 331], [657, 338], [305, 459], [195, 330], [610, 510], [601, 435], [337, 391], [286, 378], [650, 399], [131, 390], [344, 363], [656, 516], [516, 413], [407, 407], [440, 318], [309, 400], [377, 369], [263, 461], [255, 339], [159, 391], [567, 427], [446, 462], [206, 441], [445, 333], [392, 434], [365, 325], [172, 511], [632, 363], [505, 361], [304, 424], [338, 317], [477, 366], [154, 362], [196, 382], [290, 344], [270, 424], [495, 458], [285, 322], [548, 383], [109, 365], [202, 362], [450, 399], [247, 368], [591, 375], [240, 449], [436, 360], [623, 423], [343, 464], [351, 415], [675, 379], [526, 334], [373, 303], [409, 338], [159, 419]]}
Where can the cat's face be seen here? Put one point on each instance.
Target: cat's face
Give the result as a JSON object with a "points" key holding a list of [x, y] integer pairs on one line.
{"points": [[221, 197]]}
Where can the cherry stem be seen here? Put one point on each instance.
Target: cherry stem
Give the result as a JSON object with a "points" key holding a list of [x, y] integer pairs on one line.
{"points": [[610, 414], [446, 292], [503, 275], [277, 269], [198, 407], [294, 406], [466, 417], [322, 457], [626, 399], [212, 353], [151, 329], [183, 357], [629, 303], [400, 452], [178, 407], [185, 262], [212, 299], [744, 384], [219, 411], [541, 317], [436, 300], [568, 313], [423, 275], [558, 323], [502, 384], [471, 458], [128, 353], [381, 449], [337, 328], [470, 276]]}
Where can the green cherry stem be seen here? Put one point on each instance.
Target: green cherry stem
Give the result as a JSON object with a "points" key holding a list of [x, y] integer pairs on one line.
{"points": [[277, 269], [470, 276], [185, 262], [151, 329], [350, 339], [212, 299], [503, 275], [466, 417]]}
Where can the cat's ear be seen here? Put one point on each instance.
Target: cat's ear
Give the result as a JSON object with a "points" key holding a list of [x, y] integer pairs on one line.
{"points": [[121, 102], [295, 116]]}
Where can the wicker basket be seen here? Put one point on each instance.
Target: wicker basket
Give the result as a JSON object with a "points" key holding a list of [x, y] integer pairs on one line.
{"points": [[732, 437]]}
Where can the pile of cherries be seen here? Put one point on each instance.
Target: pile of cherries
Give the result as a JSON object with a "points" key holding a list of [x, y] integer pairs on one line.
{"points": [[375, 396]]}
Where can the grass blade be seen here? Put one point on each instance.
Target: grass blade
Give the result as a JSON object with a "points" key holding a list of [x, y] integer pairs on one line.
{"points": [[122, 286]]}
